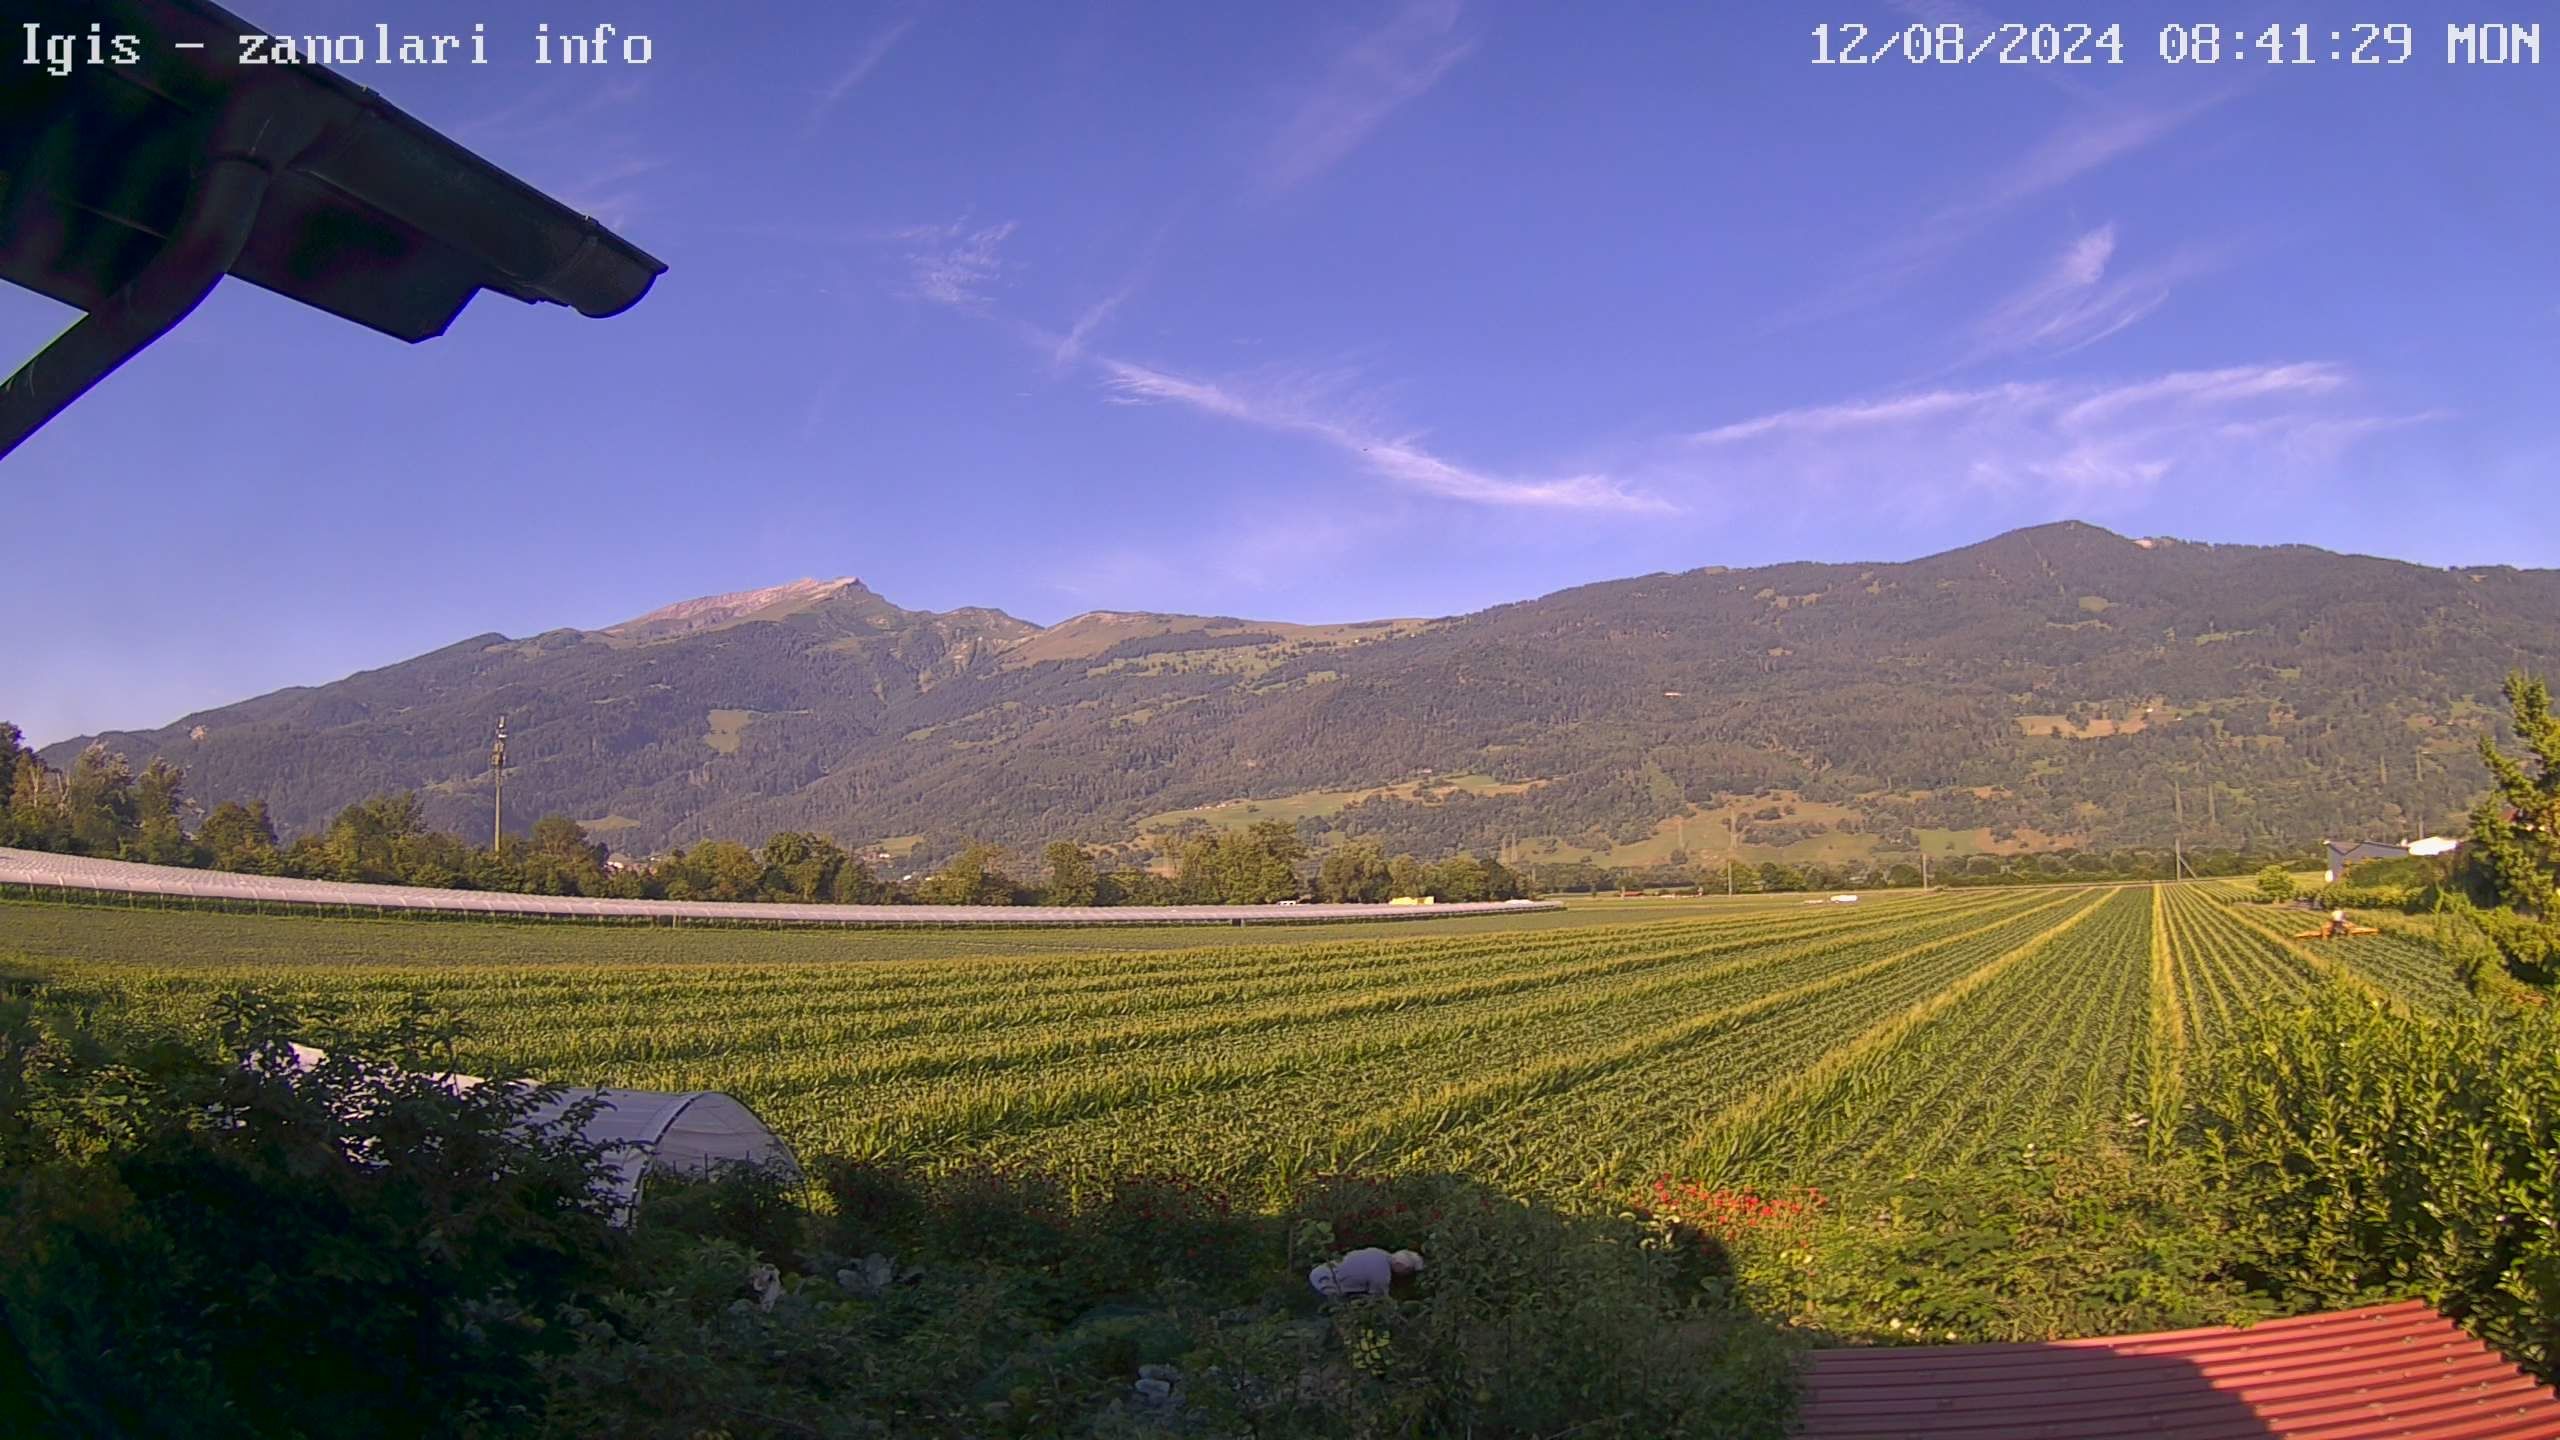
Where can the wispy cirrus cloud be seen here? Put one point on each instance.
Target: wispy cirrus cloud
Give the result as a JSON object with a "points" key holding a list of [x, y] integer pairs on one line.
{"points": [[607, 192], [2082, 298], [1070, 347], [1365, 82], [953, 264], [545, 112], [596, 172], [1314, 406], [956, 265], [2097, 134], [2089, 441], [865, 60]]}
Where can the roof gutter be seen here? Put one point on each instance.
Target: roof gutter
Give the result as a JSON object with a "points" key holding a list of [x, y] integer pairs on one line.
{"points": [[221, 211]]}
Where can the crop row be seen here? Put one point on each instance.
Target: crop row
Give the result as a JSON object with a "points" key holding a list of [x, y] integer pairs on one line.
{"points": [[1381, 1090], [2047, 1040], [2225, 969], [2401, 965], [664, 1013]]}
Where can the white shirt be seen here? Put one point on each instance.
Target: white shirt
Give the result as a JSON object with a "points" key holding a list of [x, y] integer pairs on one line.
{"points": [[1362, 1272]]}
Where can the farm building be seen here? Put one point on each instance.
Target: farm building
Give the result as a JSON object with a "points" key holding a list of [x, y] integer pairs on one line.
{"points": [[2343, 853]]}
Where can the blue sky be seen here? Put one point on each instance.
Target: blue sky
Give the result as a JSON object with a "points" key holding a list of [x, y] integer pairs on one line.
{"points": [[1324, 311]]}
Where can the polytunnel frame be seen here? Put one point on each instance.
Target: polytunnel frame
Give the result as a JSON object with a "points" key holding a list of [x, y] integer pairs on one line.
{"points": [[645, 1132]]}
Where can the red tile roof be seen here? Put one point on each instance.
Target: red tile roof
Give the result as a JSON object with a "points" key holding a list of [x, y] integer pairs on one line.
{"points": [[2383, 1371]]}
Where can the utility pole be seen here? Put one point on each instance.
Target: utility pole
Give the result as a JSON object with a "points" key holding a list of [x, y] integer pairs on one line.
{"points": [[2418, 787], [498, 789], [1732, 853], [2178, 845]]}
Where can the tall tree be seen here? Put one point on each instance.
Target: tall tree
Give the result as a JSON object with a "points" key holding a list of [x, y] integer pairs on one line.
{"points": [[852, 884], [1072, 877], [160, 831], [363, 842], [1406, 878], [1730, 876], [240, 837], [98, 802], [971, 878], [1461, 879], [1353, 874], [12, 755], [714, 870], [803, 867], [2515, 830], [1265, 864], [557, 858]]}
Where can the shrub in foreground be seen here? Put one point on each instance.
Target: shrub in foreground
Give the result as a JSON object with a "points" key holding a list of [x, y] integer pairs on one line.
{"points": [[2368, 1154], [1015, 1312], [2089, 1239], [206, 1239], [195, 1243]]}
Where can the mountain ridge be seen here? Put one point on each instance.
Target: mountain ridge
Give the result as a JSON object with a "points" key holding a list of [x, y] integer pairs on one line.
{"points": [[2029, 688]]}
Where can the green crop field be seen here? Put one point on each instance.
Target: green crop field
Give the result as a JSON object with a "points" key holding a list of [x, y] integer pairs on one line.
{"points": [[1773, 1042]]}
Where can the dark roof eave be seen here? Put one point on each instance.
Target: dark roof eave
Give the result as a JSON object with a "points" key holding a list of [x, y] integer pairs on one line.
{"points": [[378, 218]]}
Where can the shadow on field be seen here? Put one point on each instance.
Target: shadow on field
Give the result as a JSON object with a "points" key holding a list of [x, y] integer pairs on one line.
{"points": [[196, 1240], [1155, 1305]]}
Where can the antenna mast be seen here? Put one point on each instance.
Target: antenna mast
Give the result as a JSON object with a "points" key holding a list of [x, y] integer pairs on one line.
{"points": [[498, 789]]}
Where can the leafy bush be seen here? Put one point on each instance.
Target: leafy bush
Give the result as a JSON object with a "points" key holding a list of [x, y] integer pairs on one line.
{"points": [[1147, 1230], [755, 1207], [2358, 896], [2407, 872], [1529, 1321], [204, 1243], [877, 1206], [1358, 1212], [692, 1355], [2529, 945], [2095, 1239], [996, 1216], [2367, 1154], [2275, 884]]}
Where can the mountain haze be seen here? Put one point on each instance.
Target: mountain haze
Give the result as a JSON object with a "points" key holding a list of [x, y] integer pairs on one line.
{"points": [[2057, 685]]}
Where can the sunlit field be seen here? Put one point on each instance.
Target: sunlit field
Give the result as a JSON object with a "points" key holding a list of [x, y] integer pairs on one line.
{"points": [[1758, 1037]]}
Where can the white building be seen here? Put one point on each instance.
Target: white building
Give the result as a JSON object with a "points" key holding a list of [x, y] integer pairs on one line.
{"points": [[2344, 853]]}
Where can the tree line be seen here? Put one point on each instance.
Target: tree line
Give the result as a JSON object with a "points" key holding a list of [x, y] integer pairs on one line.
{"points": [[103, 807], [2048, 867]]}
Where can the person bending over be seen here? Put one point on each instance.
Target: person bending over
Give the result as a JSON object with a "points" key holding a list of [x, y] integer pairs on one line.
{"points": [[1363, 1272]]}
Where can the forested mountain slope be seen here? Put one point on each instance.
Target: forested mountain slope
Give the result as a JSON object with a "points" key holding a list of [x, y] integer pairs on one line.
{"points": [[2049, 686]]}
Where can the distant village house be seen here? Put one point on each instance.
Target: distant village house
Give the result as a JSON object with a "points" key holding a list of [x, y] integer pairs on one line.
{"points": [[2343, 853]]}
